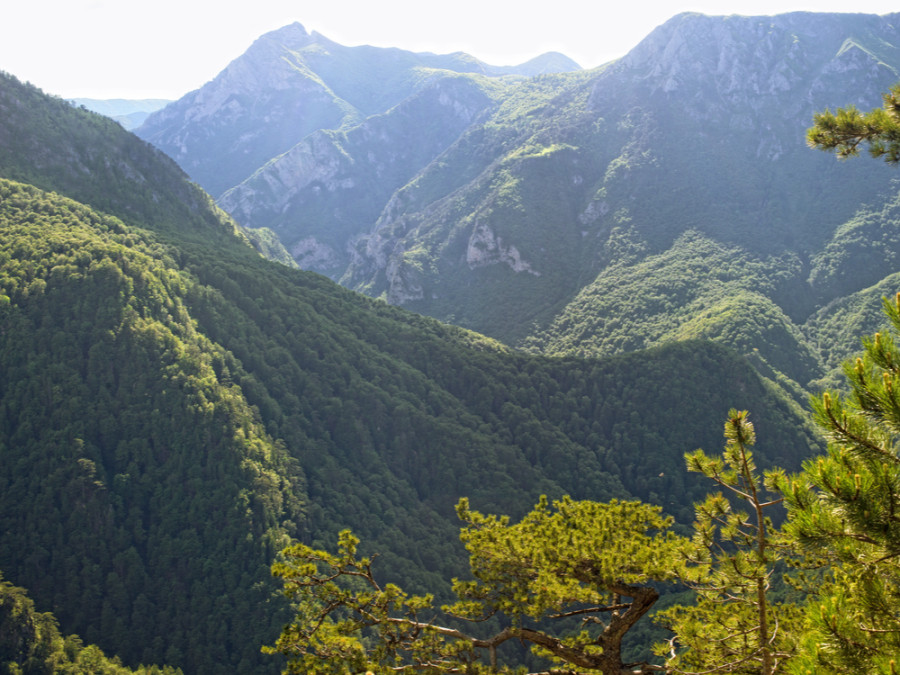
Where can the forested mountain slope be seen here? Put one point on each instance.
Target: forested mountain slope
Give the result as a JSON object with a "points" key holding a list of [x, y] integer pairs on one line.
{"points": [[664, 196], [173, 408]]}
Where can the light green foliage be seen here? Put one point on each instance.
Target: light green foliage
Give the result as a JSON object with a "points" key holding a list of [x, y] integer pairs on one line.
{"points": [[576, 558], [844, 131], [599, 562], [342, 610], [697, 289], [735, 626], [843, 510]]}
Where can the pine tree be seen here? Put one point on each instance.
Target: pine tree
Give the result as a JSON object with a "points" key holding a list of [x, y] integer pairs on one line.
{"points": [[844, 508], [597, 564], [735, 626]]}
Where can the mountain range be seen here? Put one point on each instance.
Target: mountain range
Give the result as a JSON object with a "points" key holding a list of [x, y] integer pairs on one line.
{"points": [[556, 212], [130, 113], [175, 408]]}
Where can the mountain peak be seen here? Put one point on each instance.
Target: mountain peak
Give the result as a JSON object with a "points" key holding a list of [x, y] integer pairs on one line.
{"points": [[548, 62], [292, 31]]}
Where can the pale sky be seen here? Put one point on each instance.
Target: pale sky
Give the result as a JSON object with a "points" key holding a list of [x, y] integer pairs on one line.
{"points": [[166, 48]]}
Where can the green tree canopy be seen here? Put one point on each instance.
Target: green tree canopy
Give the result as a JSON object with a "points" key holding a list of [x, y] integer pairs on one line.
{"points": [[597, 564], [31, 644], [735, 625]]}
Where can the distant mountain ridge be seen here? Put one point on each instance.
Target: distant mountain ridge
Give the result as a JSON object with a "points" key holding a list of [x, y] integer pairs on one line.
{"points": [[130, 113], [296, 82]]}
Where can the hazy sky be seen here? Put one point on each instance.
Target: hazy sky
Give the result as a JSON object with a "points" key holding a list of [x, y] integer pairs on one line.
{"points": [[165, 48]]}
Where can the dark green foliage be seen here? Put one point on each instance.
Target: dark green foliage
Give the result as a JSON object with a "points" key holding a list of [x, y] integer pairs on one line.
{"points": [[30, 644], [842, 510], [48, 143], [138, 486]]}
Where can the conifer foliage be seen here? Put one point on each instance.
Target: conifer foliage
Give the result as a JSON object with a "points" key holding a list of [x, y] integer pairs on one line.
{"points": [[735, 626], [845, 508], [598, 563], [845, 130]]}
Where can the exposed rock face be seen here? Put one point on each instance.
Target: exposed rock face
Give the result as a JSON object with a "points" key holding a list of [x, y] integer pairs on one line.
{"points": [[317, 163], [752, 62], [333, 184], [404, 281], [310, 254], [701, 126], [486, 248]]}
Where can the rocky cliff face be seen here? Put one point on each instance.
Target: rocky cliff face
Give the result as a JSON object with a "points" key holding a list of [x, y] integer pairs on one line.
{"points": [[791, 60], [700, 128], [486, 248]]}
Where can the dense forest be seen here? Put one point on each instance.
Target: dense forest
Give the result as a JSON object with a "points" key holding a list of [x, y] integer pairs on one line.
{"points": [[174, 409], [30, 643], [763, 594]]}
